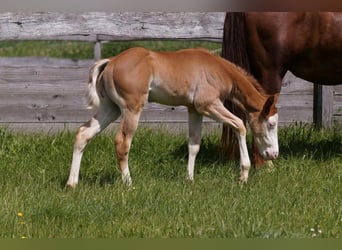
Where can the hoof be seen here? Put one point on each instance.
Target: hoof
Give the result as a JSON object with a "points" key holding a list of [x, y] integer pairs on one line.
{"points": [[190, 178], [69, 187], [243, 180], [127, 180]]}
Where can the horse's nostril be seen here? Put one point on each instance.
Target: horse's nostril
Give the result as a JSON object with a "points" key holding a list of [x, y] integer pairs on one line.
{"points": [[275, 155], [267, 154], [271, 154]]}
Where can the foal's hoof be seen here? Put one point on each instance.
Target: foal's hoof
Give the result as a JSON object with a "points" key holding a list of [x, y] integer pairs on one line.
{"points": [[69, 187], [243, 176], [243, 180], [190, 178]]}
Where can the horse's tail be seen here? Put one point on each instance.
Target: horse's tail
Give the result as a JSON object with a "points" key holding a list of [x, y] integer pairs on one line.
{"points": [[92, 97], [234, 49]]}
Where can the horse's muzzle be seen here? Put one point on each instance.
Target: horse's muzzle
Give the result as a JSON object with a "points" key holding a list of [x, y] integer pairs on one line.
{"points": [[271, 154]]}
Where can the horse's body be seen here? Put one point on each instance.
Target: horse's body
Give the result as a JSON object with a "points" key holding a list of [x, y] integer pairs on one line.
{"points": [[194, 78], [269, 44]]}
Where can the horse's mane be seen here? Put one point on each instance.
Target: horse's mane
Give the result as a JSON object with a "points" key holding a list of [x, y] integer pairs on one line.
{"points": [[249, 77]]}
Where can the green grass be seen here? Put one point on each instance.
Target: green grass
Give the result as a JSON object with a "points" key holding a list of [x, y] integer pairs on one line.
{"points": [[58, 49], [84, 50], [299, 198]]}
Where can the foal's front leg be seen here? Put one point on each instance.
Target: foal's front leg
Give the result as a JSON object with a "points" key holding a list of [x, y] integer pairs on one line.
{"points": [[218, 112], [245, 162], [195, 127]]}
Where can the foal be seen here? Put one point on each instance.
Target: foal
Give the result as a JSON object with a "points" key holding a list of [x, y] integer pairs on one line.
{"points": [[194, 78]]}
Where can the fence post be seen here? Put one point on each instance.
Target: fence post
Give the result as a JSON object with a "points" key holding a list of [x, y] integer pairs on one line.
{"points": [[323, 102], [97, 50]]}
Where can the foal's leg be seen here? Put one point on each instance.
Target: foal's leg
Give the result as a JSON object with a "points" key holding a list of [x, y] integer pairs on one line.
{"points": [[105, 115], [218, 112], [195, 127], [245, 163], [123, 140]]}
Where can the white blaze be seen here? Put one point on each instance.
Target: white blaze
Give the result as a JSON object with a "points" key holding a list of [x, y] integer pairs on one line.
{"points": [[268, 141]]}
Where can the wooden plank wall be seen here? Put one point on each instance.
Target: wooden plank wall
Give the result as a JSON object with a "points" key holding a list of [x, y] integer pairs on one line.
{"points": [[43, 92], [295, 102], [337, 105], [46, 93], [101, 26]]}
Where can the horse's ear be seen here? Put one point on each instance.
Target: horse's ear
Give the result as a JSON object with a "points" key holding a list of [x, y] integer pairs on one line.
{"points": [[268, 106]]}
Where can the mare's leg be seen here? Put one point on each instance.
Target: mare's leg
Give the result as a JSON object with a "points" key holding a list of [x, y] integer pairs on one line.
{"points": [[218, 112], [123, 140], [195, 127], [106, 114]]}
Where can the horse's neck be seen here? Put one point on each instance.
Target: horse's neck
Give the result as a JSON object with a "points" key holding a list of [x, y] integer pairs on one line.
{"points": [[247, 92]]}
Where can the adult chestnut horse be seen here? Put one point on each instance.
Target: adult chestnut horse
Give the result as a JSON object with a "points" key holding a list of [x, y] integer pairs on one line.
{"points": [[268, 44], [194, 78]]}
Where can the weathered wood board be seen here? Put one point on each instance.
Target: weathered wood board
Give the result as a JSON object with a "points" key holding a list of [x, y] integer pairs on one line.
{"points": [[101, 26], [44, 93], [337, 106], [295, 102], [50, 91]]}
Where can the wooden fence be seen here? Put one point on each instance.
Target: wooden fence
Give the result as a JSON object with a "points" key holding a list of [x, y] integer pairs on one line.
{"points": [[47, 93]]}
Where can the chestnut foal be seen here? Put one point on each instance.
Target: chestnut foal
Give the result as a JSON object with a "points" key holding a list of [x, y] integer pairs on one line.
{"points": [[195, 78]]}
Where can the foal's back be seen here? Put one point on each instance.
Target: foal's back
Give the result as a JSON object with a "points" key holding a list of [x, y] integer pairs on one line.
{"points": [[171, 78]]}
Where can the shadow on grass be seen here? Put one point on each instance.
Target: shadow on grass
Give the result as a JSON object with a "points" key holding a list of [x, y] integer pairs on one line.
{"points": [[209, 157], [209, 153], [307, 141], [298, 140], [303, 141], [98, 178]]}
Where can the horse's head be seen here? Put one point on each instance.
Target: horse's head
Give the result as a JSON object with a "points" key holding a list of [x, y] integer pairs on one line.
{"points": [[264, 126]]}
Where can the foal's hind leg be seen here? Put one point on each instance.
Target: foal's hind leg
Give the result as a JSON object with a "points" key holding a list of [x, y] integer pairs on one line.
{"points": [[123, 140], [105, 115], [195, 127]]}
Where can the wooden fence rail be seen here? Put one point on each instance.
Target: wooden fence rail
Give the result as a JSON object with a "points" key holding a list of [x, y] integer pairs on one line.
{"points": [[46, 91], [97, 26]]}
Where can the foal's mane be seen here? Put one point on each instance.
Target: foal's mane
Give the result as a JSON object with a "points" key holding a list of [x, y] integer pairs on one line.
{"points": [[249, 77]]}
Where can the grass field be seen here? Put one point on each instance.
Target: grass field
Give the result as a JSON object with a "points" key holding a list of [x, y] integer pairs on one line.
{"points": [[299, 198], [84, 50]]}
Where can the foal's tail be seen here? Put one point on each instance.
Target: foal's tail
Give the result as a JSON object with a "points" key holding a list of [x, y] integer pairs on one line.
{"points": [[92, 97]]}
